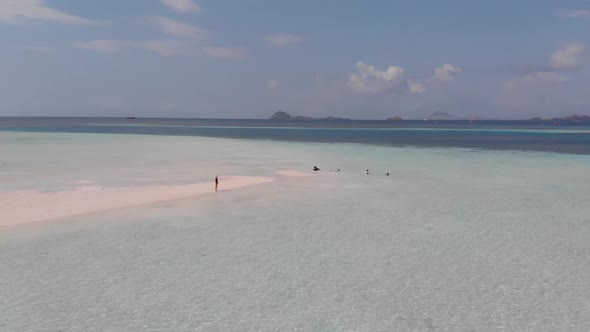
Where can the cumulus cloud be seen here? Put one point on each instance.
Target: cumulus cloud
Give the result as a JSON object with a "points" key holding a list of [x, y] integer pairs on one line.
{"points": [[575, 13], [225, 52], [177, 28], [534, 77], [160, 47], [374, 81], [567, 56], [394, 79], [272, 84], [182, 6], [446, 73], [283, 40], [541, 82], [11, 10]]}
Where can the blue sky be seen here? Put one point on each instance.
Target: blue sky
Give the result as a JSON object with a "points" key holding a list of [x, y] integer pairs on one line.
{"points": [[250, 58]]}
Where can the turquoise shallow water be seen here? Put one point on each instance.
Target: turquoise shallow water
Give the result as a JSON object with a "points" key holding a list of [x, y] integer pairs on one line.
{"points": [[568, 137], [454, 239]]}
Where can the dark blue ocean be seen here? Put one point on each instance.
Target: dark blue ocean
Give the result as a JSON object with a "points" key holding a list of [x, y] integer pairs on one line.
{"points": [[566, 137]]}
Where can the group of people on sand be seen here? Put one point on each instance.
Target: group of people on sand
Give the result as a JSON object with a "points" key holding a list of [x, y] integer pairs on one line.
{"points": [[316, 169]]}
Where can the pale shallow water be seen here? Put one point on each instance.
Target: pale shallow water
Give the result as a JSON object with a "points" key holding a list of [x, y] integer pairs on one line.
{"points": [[455, 239]]}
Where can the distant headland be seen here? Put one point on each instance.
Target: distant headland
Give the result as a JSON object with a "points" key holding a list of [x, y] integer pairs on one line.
{"points": [[280, 115], [574, 118]]}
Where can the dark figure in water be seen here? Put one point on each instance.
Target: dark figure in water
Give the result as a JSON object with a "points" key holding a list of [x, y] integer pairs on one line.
{"points": [[315, 169], [387, 174], [367, 172], [338, 170], [216, 182]]}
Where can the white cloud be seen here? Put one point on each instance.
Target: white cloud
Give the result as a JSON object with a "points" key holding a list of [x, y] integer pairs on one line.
{"points": [[161, 47], [542, 83], [182, 6], [445, 73], [283, 40], [226, 53], [177, 28], [577, 13], [272, 84], [11, 10], [567, 56], [373, 81]]}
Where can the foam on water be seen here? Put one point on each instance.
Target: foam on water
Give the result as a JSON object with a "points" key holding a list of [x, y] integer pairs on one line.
{"points": [[454, 239]]}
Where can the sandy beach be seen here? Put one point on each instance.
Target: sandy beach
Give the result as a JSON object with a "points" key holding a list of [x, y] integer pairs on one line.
{"points": [[28, 206]]}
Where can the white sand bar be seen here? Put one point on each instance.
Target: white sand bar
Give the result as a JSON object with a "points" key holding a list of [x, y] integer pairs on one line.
{"points": [[28, 206]]}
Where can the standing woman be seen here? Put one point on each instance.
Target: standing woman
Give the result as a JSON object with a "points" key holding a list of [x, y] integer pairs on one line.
{"points": [[216, 182]]}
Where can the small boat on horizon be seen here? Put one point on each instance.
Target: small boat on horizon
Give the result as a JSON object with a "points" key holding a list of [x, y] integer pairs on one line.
{"points": [[130, 117]]}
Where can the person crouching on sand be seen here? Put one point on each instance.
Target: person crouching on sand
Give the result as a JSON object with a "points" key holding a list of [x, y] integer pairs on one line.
{"points": [[216, 182]]}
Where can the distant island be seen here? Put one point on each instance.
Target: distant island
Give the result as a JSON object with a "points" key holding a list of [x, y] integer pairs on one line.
{"points": [[436, 116], [575, 117], [280, 115]]}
